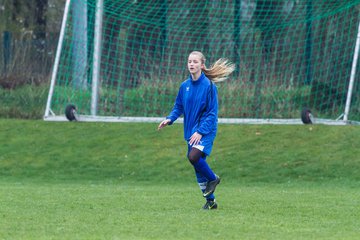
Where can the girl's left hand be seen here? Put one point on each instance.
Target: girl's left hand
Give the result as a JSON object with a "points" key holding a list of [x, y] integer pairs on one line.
{"points": [[195, 138]]}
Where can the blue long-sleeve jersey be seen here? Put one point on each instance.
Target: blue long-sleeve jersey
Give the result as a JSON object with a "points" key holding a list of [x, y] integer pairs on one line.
{"points": [[197, 101]]}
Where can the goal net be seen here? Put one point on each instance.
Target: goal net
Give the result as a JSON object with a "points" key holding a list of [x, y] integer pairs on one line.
{"points": [[123, 60]]}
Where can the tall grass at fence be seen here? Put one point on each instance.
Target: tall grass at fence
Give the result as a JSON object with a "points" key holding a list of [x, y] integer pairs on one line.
{"points": [[28, 101]]}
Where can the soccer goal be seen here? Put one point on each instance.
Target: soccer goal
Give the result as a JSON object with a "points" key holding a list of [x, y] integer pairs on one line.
{"points": [[123, 60]]}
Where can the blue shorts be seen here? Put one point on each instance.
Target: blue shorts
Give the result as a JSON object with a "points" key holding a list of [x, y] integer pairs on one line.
{"points": [[205, 145]]}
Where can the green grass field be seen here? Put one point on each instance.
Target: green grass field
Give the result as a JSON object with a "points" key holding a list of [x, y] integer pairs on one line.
{"points": [[129, 181]]}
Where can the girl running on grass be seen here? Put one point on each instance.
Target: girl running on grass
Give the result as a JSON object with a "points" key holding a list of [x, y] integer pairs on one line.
{"points": [[197, 100]]}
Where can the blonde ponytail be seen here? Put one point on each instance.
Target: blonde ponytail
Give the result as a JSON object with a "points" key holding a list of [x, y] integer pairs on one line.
{"points": [[219, 71]]}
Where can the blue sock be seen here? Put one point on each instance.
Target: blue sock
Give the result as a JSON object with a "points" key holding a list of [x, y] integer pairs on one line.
{"points": [[202, 167], [202, 184]]}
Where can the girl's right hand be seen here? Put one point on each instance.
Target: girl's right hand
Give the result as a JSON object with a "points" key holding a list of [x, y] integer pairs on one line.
{"points": [[164, 123]]}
